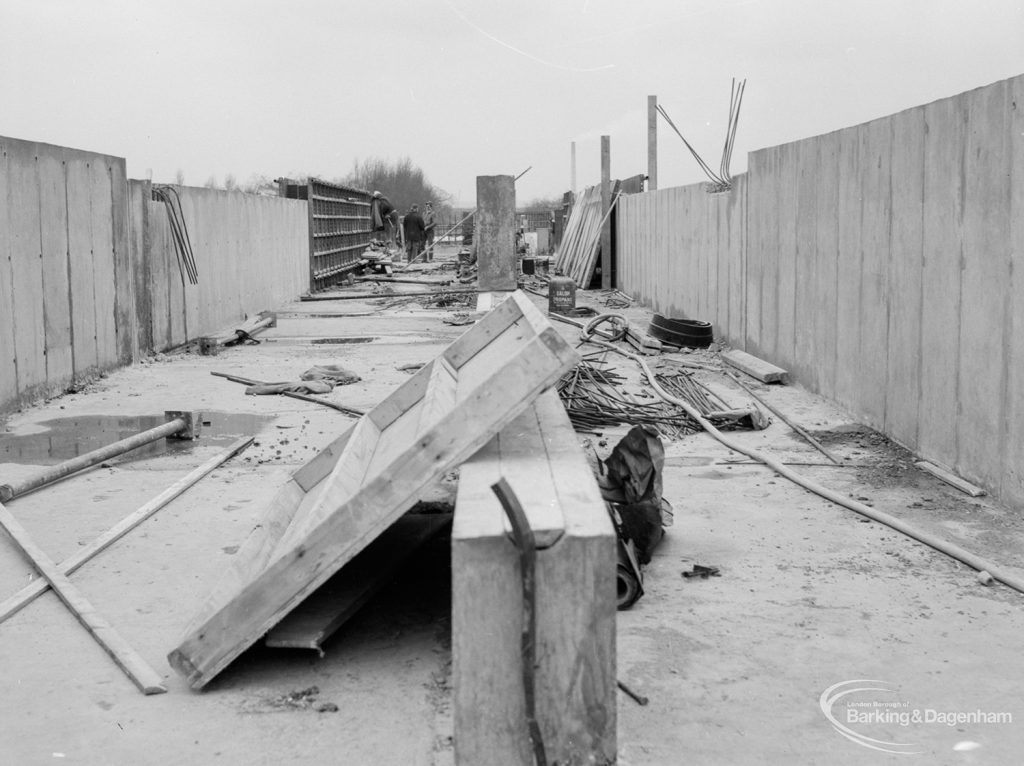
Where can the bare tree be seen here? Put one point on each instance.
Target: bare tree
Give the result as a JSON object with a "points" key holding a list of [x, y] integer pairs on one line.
{"points": [[179, 177], [211, 182], [400, 181]]}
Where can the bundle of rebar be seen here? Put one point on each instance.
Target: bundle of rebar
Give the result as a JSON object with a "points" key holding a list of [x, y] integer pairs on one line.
{"points": [[593, 398], [722, 180], [683, 385], [179, 232]]}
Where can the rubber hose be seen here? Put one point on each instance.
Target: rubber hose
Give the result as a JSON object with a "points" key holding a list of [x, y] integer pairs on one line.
{"points": [[943, 546]]}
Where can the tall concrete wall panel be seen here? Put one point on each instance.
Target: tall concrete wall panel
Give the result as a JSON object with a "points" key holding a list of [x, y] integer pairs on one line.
{"points": [[251, 254], [880, 264], [88, 274], [62, 239]]}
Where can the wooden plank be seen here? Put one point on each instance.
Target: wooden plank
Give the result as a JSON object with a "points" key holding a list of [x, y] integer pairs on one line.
{"points": [[141, 674], [439, 397], [950, 478], [27, 277], [56, 288], [8, 362], [575, 675], [524, 461], [766, 372], [83, 295], [123, 527], [532, 365], [338, 600], [346, 477]]}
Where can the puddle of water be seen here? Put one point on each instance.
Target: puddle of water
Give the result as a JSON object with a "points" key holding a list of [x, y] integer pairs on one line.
{"points": [[319, 341], [66, 438]]}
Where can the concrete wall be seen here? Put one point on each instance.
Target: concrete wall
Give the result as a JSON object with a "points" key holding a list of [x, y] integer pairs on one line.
{"points": [[251, 252], [65, 292], [88, 274], [882, 264]]}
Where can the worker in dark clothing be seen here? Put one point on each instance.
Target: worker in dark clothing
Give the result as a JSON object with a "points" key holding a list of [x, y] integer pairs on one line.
{"points": [[431, 224], [384, 217], [415, 232]]}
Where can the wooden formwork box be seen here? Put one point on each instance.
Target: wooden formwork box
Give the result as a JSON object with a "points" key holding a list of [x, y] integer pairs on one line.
{"points": [[346, 497], [540, 457]]}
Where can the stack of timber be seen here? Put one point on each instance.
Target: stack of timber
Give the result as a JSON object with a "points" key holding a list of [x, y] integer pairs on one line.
{"points": [[577, 255], [345, 498]]}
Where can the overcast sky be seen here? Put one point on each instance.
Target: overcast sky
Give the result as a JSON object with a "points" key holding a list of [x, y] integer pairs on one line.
{"points": [[463, 88]]}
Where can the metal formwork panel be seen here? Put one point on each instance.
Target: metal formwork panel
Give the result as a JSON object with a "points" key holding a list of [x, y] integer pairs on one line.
{"points": [[340, 228]]}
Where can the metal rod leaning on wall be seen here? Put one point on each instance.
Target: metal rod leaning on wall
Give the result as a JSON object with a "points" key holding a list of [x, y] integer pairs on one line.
{"points": [[810, 439], [57, 472], [136, 668], [71, 564]]}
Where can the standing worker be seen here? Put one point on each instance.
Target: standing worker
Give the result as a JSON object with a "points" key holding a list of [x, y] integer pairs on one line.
{"points": [[384, 217], [431, 222], [415, 232]]}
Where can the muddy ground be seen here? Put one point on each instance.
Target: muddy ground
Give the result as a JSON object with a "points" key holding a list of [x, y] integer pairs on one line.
{"points": [[810, 595]]}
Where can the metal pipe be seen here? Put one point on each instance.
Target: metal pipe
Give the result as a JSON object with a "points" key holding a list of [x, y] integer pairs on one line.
{"points": [[57, 472]]}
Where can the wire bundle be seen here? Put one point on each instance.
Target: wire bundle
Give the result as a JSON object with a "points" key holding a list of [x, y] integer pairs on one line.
{"points": [[593, 398], [179, 232], [721, 181]]}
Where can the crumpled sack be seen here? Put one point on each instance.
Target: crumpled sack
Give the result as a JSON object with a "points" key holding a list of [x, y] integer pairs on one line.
{"points": [[631, 483], [334, 373], [302, 387]]}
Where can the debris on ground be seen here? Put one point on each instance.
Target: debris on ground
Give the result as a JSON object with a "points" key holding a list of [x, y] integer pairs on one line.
{"points": [[459, 318], [702, 572]]}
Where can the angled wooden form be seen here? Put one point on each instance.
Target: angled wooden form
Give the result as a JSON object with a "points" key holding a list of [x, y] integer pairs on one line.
{"points": [[428, 426], [540, 457]]}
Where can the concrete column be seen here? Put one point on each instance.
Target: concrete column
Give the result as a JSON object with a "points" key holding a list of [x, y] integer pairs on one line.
{"points": [[606, 201], [652, 143], [496, 232]]}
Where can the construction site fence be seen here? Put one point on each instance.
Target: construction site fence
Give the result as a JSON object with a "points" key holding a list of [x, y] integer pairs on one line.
{"points": [[90, 279], [882, 264]]}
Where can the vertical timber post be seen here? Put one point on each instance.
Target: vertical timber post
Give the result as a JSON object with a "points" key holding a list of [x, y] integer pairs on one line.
{"points": [[652, 143], [606, 200], [496, 232], [572, 168]]}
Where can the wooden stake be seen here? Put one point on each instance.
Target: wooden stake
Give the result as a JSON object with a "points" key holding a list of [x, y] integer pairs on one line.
{"points": [[147, 679]]}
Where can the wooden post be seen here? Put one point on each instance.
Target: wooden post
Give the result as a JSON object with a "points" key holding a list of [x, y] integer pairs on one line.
{"points": [[652, 143], [496, 232], [574, 673], [606, 201], [572, 168]]}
